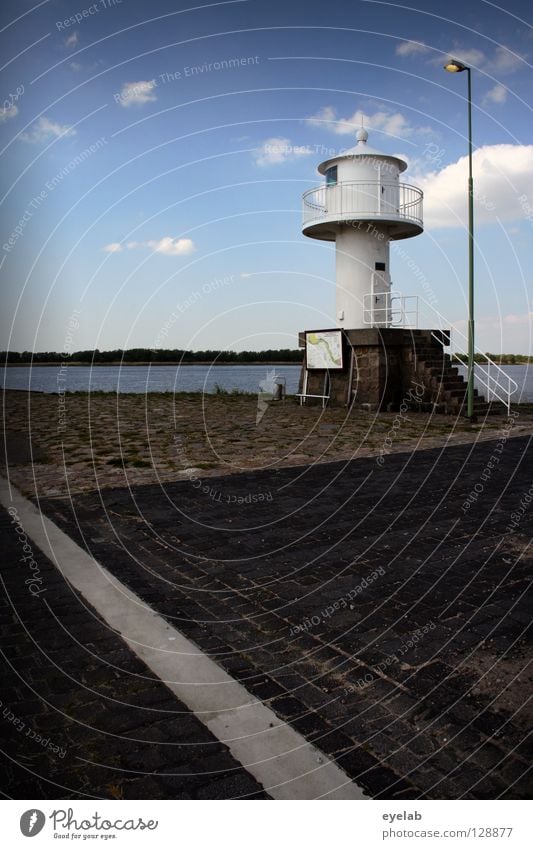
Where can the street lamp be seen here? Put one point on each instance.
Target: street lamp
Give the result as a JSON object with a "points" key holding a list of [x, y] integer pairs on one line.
{"points": [[455, 67]]}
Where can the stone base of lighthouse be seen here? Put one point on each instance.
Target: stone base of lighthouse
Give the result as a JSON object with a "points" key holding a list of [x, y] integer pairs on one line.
{"points": [[384, 368]]}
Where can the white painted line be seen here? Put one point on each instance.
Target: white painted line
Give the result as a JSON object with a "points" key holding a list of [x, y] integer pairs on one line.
{"points": [[278, 757]]}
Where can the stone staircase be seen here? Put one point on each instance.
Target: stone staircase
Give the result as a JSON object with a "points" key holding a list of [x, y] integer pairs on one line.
{"points": [[445, 390]]}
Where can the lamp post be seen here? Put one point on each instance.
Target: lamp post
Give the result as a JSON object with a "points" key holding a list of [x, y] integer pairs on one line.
{"points": [[454, 67]]}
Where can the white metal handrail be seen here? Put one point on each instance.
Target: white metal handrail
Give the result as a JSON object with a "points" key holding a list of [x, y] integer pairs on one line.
{"points": [[376, 198], [395, 312], [499, 384], [500, 387]]}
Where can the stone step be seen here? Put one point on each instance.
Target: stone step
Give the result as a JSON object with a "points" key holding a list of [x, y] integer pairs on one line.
{"points": [[496, 408], [443, 373], [459, 392], [480, 406], [428, 352], [440, 364], [454, 393], [453, 383], [446, 390]]}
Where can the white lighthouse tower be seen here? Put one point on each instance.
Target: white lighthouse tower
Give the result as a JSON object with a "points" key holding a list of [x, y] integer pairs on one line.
{"points": [[362, 207]]}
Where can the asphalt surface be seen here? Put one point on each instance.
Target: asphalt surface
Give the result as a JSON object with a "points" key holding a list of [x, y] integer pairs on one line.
{"points": [[80, 715], [380, 609]]}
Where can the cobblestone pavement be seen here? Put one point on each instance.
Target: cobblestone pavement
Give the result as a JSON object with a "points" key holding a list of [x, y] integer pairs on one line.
{"points": [[382, 610], [137, 440], [80, 715]]}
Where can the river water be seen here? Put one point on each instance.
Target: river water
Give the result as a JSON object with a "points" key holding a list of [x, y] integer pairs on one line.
{"points": [[187, 378]]}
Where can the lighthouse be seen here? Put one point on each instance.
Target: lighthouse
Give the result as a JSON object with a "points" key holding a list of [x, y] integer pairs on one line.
{"points": [[375, 356], [362, 206]]}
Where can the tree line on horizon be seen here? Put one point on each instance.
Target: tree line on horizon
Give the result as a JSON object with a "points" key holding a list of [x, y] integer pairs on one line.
{"points": [[499, 359], [163, 355], [177, 355]]}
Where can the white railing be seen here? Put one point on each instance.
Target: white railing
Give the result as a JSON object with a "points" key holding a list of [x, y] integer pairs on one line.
{"points": [[375, 199], [497, 384], [386, 310]]}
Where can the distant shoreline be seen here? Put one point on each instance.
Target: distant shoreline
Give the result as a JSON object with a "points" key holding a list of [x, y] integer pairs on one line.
{"points": [[125, 364], [148, 363]]}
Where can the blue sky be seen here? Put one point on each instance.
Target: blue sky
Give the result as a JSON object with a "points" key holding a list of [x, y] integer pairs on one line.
{"points": [[154, 157]]}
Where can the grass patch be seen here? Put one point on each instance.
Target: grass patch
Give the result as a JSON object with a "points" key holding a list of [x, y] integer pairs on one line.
{"points": [[232, 393], [116, 461]]}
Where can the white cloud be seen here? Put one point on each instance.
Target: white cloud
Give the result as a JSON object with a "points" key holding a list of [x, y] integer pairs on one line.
{"points": [[506, 61], [411, 48], [167, 245], [502, 61], [277, 150], [71, 40], [391, 123], [508, 334], [75, 66], [326, 117], [44, 129], [513, 319], [136, 94], [172, 247], [503, 178], [8, 112], [497, 94], [467, 55]]}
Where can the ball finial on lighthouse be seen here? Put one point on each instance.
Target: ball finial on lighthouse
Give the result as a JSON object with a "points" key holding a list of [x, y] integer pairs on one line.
{"points": [[362, 207]]}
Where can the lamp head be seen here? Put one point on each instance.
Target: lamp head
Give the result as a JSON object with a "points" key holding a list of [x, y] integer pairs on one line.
{"points": [[454, 66]]}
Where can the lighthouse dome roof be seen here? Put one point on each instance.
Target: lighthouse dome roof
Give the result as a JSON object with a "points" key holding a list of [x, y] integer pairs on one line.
{"points": [[364, 150]]}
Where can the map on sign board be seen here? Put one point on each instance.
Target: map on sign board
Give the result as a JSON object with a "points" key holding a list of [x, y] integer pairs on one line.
{"points": [[323, 349]]}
